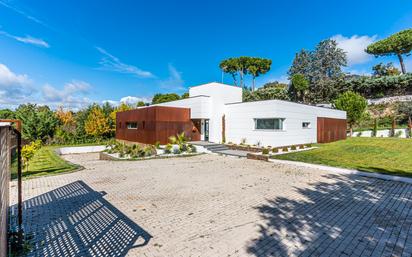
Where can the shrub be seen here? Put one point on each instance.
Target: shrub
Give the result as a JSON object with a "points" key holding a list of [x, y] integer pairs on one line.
{"points": [[359, 134], [128, 149], [157, 144], [265, 151], [301, 147], [398, 133], [168, 148], [149, 150], [275, 150], [191, 148], [285, 149], [183, 147], [293, 147], [308, 145]]}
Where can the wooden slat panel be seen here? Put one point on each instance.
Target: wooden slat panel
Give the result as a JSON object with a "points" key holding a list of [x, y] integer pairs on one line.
{"points": [[155, 123], [330, 130]]}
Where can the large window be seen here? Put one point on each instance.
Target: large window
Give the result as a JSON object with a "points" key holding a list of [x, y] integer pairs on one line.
{"points": [[269, 124], [131, 125]]}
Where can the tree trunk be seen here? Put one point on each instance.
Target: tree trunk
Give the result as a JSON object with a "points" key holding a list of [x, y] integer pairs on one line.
{"points": [[234, 79], [402, 64], [393, 127], [350, 130], [409, 126], [241, 78]]}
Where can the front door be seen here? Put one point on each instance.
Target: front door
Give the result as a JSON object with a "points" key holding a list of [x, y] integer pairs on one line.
{"points": [[206, 130]]}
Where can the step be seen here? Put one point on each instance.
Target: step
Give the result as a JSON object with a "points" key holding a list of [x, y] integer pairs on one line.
{"points": [[218, 148]]}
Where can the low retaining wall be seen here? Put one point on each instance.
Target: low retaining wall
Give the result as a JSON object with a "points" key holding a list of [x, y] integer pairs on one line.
{"points": [[80, 149], [244, 148], [258, 157], [381, 133]]}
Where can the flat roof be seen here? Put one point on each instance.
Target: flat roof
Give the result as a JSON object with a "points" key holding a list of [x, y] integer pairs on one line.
{"points": [[214, 82], [286, 101]]}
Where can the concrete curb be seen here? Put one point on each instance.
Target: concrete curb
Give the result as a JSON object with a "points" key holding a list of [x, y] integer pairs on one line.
{"points": [[80, 149], [345, 171]]}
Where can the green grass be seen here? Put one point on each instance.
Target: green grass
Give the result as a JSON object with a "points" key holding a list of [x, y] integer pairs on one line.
{"points": [[45, 162], [384, 155]]}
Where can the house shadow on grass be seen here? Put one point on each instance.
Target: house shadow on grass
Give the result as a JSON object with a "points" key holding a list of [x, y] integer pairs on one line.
{"points": [[75, 220], [346, 216]]}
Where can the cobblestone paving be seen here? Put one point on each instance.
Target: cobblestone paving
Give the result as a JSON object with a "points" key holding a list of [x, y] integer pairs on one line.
{"points": [[214, 206]]}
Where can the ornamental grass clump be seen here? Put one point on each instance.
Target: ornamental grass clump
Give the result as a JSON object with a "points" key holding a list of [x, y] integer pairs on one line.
{"points": [[293, 148], [285, 149], [275, 150], [265, 151]]}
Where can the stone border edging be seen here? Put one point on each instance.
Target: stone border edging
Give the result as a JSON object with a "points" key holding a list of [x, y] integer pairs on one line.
{"points": [[106, 157], [345, 171]]}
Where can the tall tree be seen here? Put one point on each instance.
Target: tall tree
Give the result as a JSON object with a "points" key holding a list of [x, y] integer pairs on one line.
{"points": [[39, 122], [397, 44], [321, 68], [184, 95], [244, 65], [302, 64], [381, 70], [7, 114], [97, 124], [230, 66], [163, 98], [355, 106], [328, 60], [256, 67], [300, 85], [140, 104]]}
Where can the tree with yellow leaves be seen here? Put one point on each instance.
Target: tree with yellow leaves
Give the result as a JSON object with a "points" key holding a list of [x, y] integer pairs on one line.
{"points": [[122, 107], [97, 124], [65, 117]]}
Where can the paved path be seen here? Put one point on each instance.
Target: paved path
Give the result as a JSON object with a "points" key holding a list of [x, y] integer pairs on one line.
{"points": [[212, 205]]}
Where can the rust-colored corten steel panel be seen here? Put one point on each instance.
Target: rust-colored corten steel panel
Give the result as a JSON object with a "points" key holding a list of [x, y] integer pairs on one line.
{"points": [[156, 123], [330, 130]]}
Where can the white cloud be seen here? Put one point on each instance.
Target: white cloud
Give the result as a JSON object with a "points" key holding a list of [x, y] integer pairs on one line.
{"points": [[14, 88], [130, 100], [174, 81], [72, 96], [24, 14], [27, 39], [354, 47], [112, 63]]}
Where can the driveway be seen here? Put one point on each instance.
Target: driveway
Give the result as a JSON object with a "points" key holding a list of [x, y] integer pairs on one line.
{"points": [[213, 205]]}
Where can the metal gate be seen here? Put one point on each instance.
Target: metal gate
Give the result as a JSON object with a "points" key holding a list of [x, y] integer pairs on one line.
{"points": [[10, 142], [5, 162]]}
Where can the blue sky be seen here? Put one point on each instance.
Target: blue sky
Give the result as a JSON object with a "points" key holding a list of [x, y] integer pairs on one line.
{"points": [[73, 53]]}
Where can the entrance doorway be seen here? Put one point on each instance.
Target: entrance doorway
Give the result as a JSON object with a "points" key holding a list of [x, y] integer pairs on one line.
{"points": [[206, 127]]}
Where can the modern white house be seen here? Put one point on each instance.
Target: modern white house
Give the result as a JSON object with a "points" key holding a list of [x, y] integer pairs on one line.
{"points": [[219, 115]]}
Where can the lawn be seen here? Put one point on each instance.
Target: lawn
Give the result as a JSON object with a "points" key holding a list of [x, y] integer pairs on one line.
{"points": [[45, 162], [384, 155]]}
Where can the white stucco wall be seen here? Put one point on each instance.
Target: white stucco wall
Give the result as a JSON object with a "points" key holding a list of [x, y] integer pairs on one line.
{"points": [[208, 102], [200, 106], [220, 94], [240, 122]]}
